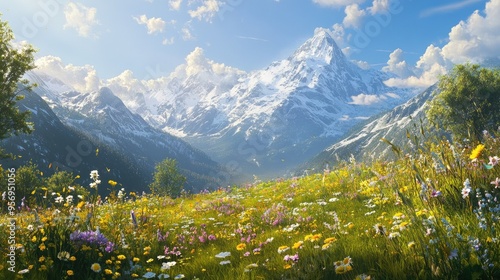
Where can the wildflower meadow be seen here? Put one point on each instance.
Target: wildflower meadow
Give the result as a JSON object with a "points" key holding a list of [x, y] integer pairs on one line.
{"points": [[430, 213]]}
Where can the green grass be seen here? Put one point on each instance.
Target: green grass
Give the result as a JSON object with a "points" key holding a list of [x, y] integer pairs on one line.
{"points": [[377, 216]]}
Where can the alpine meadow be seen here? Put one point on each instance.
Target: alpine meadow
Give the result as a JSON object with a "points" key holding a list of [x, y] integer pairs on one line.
{"points": [[319, 165]]}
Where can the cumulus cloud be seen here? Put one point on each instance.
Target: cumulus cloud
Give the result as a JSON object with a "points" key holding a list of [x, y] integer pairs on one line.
{"points": [[366, 99], [337, 3], [353, 16], [125, 85], [397, 65], [477, 38], [81, 78], [473, 40], [154, 25], [196, 63], [175, 4], [379, 6], [81, 18], [361, 64], [206, 11]]}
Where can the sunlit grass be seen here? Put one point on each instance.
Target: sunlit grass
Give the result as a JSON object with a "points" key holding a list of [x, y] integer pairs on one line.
{"points": [[432, 213]]}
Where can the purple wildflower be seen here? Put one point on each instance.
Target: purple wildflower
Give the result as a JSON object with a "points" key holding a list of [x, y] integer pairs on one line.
{"points": [[91, 238]]}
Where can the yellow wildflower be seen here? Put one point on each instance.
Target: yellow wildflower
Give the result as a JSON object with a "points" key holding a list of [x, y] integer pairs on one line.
{"points": [[70, 272], [330, 240], [298, 244], [477, 151], [241, 246]]}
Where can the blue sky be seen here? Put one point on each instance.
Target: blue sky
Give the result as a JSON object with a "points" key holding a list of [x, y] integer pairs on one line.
{"points": [[152, 37]]}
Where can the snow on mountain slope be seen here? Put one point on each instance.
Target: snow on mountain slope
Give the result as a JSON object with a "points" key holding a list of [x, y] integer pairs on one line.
{"points": [[395, 126], [103, 117], [284, 113]]}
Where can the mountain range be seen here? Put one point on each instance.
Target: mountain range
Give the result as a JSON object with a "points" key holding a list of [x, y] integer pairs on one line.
{"points": [[267, 121], [80, 132], [219, 122]]}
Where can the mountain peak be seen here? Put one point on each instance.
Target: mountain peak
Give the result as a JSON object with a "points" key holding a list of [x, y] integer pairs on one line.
{"points": [[321, 47]]}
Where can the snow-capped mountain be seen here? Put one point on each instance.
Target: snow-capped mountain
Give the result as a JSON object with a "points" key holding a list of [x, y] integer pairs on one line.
{"points": [[401, 126], [104, 118], [269, 120], [53, 146]]}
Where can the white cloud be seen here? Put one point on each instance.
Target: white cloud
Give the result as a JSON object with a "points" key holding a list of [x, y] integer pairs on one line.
{"points": [[125, 85], [168, 41], [361, 64], [206, 11], [154, 25], [366, 99], [473, 40], [379, 6], [426, 79], [81, 18], [337, 3], [175, 4], [186, 33], [81, 78], [477, 38], [338, 34], [397, 65], [196, 62], [353, 16]]}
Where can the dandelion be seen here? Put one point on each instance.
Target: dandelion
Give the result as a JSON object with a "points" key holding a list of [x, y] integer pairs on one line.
{"points": [[95, 267], [477, 151], [70, 272]]}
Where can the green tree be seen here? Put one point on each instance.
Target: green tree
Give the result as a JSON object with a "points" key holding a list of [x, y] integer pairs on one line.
{"points": [[28, 179], [167, 180], [14, 63], [467, 102], [63, 182]]}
